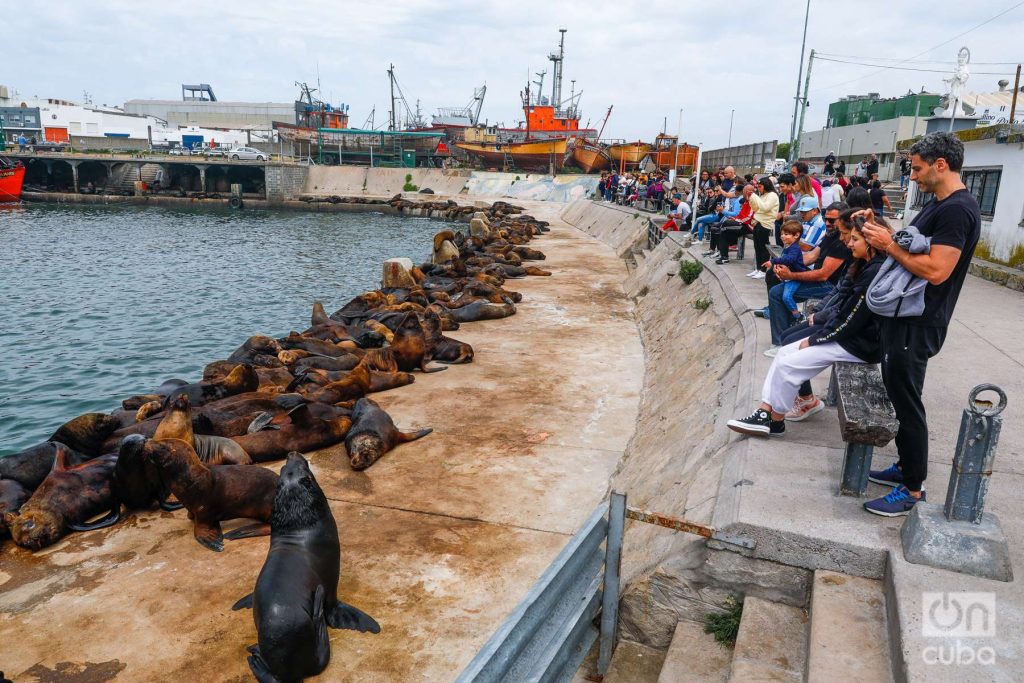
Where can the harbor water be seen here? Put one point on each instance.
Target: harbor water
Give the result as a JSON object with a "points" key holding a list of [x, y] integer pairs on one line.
{"points": [[100, 303]]}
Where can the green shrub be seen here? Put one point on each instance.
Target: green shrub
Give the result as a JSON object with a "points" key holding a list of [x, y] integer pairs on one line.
{"points": [[725, 625], [703, 304], [690, 270]]}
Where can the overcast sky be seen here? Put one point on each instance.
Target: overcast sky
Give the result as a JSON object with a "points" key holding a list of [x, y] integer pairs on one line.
{"points": [[647, 59]]}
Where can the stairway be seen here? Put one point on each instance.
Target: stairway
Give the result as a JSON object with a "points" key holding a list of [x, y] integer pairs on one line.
{"points": [[841, 637], [124, 177]]}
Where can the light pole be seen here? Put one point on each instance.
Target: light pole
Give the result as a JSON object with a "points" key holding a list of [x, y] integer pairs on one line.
{"points": [[679, 134], [731, 113], [799, 77]]}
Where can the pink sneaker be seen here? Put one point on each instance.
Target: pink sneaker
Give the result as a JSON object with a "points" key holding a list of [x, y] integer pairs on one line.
{"points": [[804, 409]]}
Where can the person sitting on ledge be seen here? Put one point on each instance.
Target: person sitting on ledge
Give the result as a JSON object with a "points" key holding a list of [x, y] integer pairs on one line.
{"points": [[849, 335], [793, 258]]}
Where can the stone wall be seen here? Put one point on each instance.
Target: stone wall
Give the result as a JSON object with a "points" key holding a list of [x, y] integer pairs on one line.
{"points": [[284, 181], [674, 461]]}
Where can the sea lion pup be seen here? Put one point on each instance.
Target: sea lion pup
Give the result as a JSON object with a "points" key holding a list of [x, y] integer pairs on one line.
{"points": [[212, 450], [534, 270], [410, 346], [137, 480], [12, 496], [296, 598], [239, 381], [373, 434], [214, 494], [304, 432], [444, 349], [65, 501]]}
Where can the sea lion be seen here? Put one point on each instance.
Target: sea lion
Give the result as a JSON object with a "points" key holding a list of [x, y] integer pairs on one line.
{"points": [[319, 347], [346, 362], [410, 346], [482, 310], [444, 349], [295, 599], [65, 501], [158, 394], [240, 380], [373, 434], [30, 466], [259, 350], [379, 381], [137, 479], [355, 384], [217, 493], [212, 450], [12, 496], [304, 432], [86, 433], [269, 377]]}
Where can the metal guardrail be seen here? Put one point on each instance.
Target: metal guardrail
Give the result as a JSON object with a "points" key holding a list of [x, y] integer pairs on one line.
{"points": [[550, 632]]}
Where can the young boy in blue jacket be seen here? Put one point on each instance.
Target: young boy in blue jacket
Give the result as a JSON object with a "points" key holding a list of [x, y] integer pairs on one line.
{"points": [[793, 258]]}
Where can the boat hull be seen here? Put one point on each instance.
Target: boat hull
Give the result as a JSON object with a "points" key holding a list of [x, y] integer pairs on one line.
{"points": [[630, 152], [590, 158], [11, 180], [532, 156]]}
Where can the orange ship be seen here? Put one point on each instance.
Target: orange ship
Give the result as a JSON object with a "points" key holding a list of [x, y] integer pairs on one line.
{"points": [[12, 175]]}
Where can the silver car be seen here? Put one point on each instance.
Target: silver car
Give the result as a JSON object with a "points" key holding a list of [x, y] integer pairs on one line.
{"points": [[247, 153]]}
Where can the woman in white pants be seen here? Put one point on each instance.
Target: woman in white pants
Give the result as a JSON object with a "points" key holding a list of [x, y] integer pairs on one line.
{"points": [[846, 333]]}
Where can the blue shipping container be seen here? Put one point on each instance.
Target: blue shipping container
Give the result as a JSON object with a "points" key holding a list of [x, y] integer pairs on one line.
{"points": [[191, 141]]}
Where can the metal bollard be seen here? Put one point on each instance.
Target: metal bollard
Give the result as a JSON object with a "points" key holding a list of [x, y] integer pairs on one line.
{"points": [[975, 452]]}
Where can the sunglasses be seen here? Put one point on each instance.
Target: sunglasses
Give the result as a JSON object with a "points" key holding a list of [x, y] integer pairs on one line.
{"points": [[831, 220]]}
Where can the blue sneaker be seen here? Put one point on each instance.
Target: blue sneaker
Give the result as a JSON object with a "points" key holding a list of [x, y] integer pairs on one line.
{"points": [[889, 477], [895, 504], [763, 313]]}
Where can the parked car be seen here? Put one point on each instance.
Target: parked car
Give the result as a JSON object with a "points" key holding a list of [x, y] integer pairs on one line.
{"points": [[247, 153]]}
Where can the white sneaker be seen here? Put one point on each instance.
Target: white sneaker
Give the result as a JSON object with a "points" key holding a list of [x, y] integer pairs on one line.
{"points": [[804, 409], [752, 273], [759, 275], [772, 351]]}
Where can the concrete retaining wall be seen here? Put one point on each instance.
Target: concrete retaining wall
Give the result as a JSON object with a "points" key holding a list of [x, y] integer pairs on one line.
{"points": [[285, 181], [675, 459]]}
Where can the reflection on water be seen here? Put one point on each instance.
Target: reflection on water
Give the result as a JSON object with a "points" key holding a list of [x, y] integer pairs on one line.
{"points": [[100, 303]]}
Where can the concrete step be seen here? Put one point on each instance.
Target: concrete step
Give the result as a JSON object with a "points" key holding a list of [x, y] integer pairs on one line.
{"points": [[772, 643], [695, 657], [634, 663], [848, 630]]}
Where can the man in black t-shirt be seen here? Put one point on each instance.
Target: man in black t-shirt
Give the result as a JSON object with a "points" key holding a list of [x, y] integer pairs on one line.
{"points": [[953, 222]]}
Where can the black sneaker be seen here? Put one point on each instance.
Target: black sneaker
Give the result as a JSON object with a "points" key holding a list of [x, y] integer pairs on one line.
{"points": [[777, 428], [721, 261], [709, 253], [759, 423]]}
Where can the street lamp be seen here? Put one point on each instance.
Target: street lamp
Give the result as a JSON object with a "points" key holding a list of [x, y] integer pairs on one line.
{"points": [[730, 128], [675, 165]]}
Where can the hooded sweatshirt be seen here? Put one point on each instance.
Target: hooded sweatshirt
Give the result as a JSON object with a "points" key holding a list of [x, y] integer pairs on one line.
{"points": [[848, 321]]}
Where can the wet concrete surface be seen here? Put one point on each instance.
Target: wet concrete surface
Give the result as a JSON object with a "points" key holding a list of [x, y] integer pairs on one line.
{"points": [[440, 539]]}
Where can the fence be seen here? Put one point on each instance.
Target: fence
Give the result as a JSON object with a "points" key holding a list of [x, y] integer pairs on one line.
{"points": [[743, 158]]}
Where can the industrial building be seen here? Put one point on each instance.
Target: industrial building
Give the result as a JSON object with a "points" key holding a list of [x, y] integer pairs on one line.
{"points": [[199, 106]]}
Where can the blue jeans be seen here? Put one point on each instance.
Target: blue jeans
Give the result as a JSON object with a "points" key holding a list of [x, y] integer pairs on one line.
{"points": [[789, 288], [705, 222], [780, 316], [904, 181]]}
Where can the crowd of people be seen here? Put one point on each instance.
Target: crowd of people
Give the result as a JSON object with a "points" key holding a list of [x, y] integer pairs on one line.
{"points": [[882, 295], [651, 190]]}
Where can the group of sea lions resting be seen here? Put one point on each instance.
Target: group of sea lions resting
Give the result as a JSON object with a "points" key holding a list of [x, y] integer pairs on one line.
{"points": [[193, 445]]}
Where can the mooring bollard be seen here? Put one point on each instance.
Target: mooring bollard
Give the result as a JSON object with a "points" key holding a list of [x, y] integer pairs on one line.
{"points": [[972, 462], [960, 537]]}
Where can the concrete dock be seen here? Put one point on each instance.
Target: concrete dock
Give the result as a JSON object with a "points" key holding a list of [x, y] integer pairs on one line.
{"points": [[440, 539]]}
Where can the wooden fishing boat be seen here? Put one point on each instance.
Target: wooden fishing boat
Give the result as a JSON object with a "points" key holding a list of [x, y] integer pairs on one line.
{"points": [[668, 153], [629, 152], [590, 157], [531, 155]]}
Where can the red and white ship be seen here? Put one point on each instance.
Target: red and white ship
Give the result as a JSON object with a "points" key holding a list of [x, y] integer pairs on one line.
{"points": [[12, 175]]}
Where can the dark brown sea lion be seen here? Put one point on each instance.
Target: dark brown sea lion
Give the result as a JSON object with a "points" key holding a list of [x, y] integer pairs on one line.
{"points": [[258, 350], [158, 394], [346, 362], [373, 434], [212, 450], [355, 384], [379, 381], [295, 599], [137, 479], [30, 466], [313, 345], [444, 349], [304, 432], [65, 501], [482, 310], [528, 254], [12, 496], [240, 380], [86, 433], [410, 346], [214, 494], [269, 377]]}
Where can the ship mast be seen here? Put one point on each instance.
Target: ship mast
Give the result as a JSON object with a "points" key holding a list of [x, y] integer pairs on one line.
{"points": [[603, 123], [556, 76], [391, 78]]}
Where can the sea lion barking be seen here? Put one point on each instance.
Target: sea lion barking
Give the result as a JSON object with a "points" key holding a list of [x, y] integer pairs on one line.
{"points": [[296, 593]]}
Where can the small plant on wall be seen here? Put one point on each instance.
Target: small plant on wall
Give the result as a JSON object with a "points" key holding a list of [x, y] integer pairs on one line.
{"points": [[725, 625], [409, 187], [690, 270]]}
